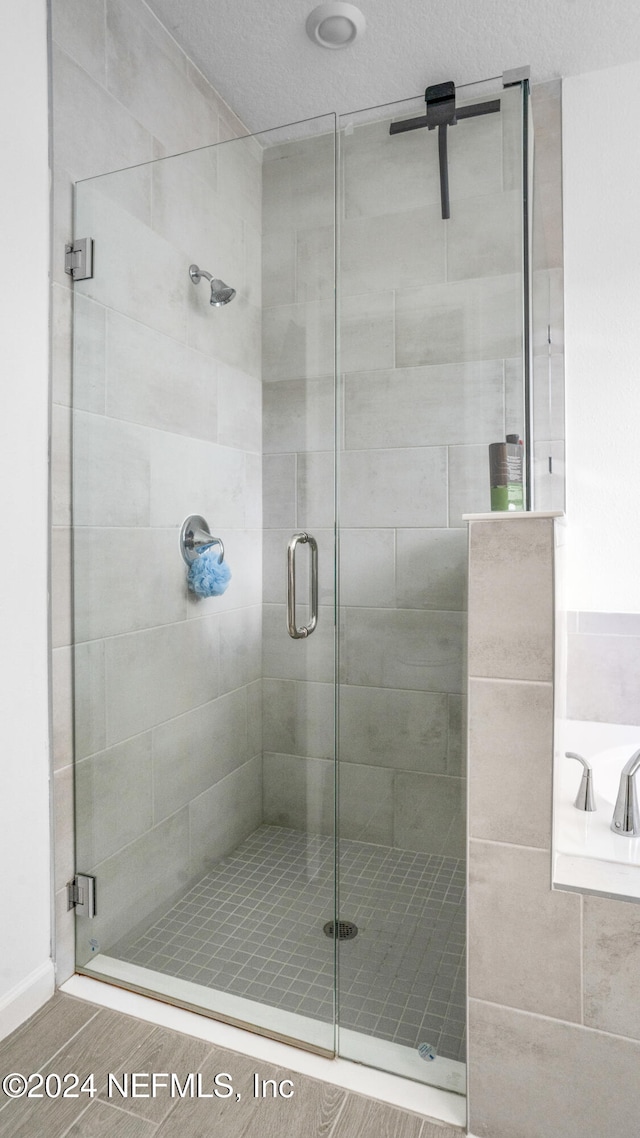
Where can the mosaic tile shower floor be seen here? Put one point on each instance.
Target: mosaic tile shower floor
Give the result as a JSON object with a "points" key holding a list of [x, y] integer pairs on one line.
{"points": [[253, 927]]}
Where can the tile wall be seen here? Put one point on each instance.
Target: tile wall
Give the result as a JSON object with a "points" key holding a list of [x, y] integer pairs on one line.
{"points": [[554, 1015], [603, 666], [163, 385], [430, 351]]}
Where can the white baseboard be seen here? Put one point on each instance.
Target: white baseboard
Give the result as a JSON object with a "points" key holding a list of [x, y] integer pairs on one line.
{"points": [[26, 998]]}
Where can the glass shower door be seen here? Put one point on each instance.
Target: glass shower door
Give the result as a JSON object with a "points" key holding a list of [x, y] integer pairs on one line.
{"points": [[432, 372], [202, 440]]}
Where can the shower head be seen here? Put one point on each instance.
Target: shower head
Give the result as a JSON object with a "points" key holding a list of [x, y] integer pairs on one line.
{"points": [[221, 293]]}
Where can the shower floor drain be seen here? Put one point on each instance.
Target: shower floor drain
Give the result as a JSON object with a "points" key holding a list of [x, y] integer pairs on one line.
{"points": [[346, 929]]}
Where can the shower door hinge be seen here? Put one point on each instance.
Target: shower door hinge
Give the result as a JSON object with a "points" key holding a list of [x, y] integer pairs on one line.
{"points": [[81, 895], [78, 259]]}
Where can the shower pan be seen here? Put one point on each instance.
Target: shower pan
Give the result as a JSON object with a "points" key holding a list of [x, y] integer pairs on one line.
{"points": [[270, 782]]}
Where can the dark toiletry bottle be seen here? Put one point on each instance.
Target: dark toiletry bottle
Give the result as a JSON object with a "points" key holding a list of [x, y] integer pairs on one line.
{"points": [[506, 463]]}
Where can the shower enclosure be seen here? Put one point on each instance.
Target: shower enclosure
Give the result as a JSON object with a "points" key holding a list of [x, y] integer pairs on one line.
{"points": [[270, 788]]}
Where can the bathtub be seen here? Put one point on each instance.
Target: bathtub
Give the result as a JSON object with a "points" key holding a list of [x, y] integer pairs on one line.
{"points": [[587, 855]]}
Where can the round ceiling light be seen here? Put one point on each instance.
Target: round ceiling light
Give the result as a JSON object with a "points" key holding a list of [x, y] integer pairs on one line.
{"points": [[335, 24]]}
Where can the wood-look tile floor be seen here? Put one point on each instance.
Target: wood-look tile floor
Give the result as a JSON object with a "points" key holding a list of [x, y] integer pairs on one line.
{"points": [[69, 1036]]}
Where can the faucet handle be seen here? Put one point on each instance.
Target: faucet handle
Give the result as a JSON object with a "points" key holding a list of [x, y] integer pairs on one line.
{"points": [[626, 815], [585, 799]]}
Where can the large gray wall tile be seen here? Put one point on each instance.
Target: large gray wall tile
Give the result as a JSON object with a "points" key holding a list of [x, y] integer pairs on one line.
{"points": [[112, 594], [367, 332], [279, 491], [310, 658], [61, 612], [511, 741], [92, 131], [298, 340], [224, 815], [603, 673], [89, 340], [463, 320], [403, 648], [367, 567], [61, 344], [425, 406], [159, 94], [385, 174], [62, 707], [366, 804], [240, 647], [79, 27], [157, 382], [406, 730], [60, 466], [240, 180], [315, 506], [484, 236], [298, 415], [404, 250], [431, 569], [62, 792], [279, 268], [90, 733], [113, 799], [457, 744], [299, 718], [315, 263], [239, 409], [429, 814], [112, 472], [196, 750], [469, 483], [192, 476], [510, 561], [158, 673], [403, 487], [525, 937], [298, 179], [134, 293], [298, 792], [612, 966], [536, 1077]]}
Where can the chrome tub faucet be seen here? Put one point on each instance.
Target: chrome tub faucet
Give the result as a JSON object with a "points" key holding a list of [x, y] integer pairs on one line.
{"points": [[626, 816], [585, 799]]}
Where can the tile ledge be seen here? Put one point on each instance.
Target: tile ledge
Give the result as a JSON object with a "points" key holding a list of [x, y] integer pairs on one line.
{"points": [[513, 515]]}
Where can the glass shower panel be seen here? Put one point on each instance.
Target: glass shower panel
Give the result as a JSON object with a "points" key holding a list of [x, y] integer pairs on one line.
{"points": [[432, 372], [204, 737]]}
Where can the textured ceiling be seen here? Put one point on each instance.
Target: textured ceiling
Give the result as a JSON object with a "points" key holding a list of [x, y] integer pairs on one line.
{"points": [[259, 58]]}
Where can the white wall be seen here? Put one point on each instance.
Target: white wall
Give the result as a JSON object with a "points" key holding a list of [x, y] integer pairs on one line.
{"points": [[602, 325], [26, 972]]}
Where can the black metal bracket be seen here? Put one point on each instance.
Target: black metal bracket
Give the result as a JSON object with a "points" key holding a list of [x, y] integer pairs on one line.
{"points": [[442, 113]]}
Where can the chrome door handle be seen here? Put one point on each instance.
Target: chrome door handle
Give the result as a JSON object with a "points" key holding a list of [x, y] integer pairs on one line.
{"points": [[294, 632]]}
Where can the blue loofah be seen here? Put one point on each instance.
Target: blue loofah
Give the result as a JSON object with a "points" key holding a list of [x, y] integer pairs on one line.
{"points": [[208, 577]]}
